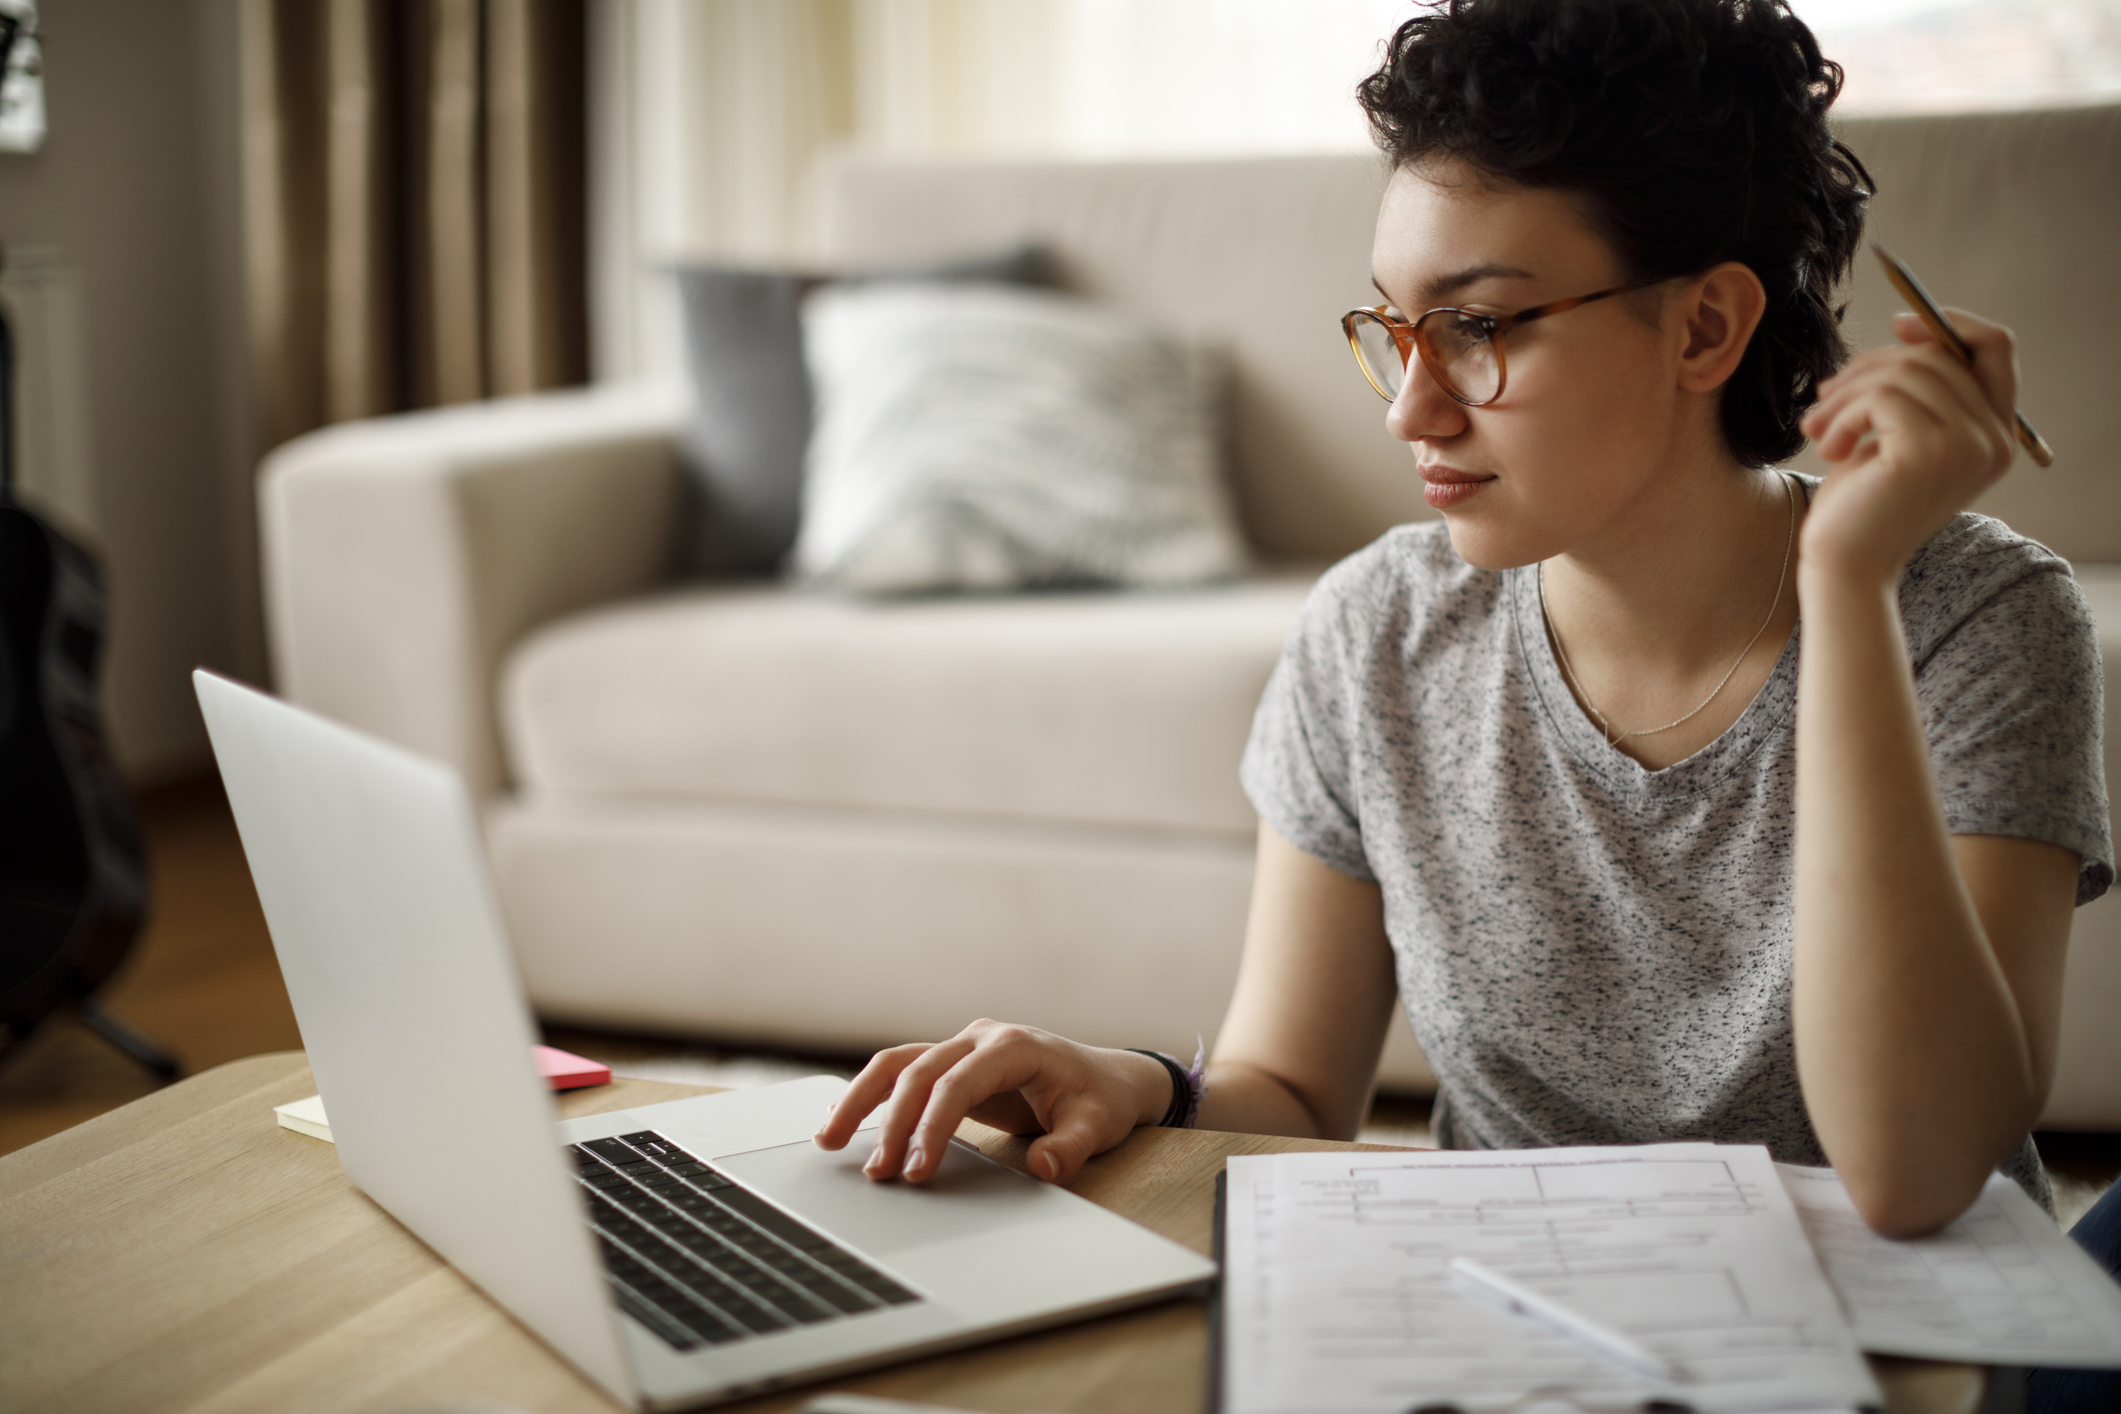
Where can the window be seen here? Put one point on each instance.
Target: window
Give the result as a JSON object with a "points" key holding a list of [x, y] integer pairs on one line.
{"points": [[1931, 56]]}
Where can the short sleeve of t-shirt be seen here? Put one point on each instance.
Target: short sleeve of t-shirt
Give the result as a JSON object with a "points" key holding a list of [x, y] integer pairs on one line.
{"points": [[1298, 766], [2008, 672]]}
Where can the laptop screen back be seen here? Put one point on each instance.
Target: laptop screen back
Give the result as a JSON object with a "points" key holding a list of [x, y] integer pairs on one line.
{"points": [[369, 865]]}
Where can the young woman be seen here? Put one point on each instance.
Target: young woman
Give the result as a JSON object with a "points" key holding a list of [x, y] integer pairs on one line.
{"points": [[1555, 770]]}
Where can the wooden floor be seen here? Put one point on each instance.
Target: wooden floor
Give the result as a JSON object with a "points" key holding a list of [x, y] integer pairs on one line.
{"points": [[203, 984]]}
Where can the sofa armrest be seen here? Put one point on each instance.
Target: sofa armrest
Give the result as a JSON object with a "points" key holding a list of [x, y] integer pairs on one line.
{"points": [[403, 555]]}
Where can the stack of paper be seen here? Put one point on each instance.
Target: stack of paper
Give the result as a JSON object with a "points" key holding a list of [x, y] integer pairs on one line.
{"points": [[1693, 1250], [1338, 1294]]}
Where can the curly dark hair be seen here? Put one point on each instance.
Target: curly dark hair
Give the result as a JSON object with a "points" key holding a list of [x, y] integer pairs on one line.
{"points": [[1695, 132]]}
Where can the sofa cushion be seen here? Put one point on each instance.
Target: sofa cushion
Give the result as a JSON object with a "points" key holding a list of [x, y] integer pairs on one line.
{"points": [[1126, 709]]}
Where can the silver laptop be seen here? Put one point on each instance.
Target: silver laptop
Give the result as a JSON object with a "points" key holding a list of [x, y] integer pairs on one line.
{"points": [[678, 1254]]}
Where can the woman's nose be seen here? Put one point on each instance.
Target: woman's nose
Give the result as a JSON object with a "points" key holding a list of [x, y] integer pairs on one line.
{"points": [[1423, 408]]}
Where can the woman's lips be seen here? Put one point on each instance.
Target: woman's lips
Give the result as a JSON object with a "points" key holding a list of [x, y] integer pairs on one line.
{"points": [[1445, 486]]}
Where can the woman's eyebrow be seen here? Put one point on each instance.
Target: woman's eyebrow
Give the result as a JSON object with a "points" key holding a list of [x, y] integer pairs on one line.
{"points": [[1472, 275]]}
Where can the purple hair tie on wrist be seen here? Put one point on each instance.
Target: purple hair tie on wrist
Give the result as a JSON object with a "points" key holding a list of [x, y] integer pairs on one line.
{"points": [[1188, 1087]]}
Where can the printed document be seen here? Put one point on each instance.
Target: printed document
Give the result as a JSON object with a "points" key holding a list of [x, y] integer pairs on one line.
{"points": [[1337, 1293], [2001, 1286]]}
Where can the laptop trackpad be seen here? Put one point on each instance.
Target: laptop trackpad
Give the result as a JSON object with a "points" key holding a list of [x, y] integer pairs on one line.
{"points": [[970, 1195]]}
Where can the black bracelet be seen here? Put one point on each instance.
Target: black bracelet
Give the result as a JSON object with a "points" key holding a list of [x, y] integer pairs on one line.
{"points": [[1181, 1090]]}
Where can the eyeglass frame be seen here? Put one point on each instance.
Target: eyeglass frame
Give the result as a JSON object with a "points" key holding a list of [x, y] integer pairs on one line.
{"points": [[1406, 334]]}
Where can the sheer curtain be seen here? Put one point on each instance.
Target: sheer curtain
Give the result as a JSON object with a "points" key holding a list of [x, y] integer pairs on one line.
{"points": [[1117, 78], [708, 114], [413, 187]]}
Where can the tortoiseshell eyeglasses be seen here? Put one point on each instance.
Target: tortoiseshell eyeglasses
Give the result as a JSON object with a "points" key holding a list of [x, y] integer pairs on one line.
{"points": [[1461, 348]]}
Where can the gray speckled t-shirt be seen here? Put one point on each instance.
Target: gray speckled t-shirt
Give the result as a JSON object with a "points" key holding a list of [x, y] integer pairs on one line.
{"points": [[1592, 952]]}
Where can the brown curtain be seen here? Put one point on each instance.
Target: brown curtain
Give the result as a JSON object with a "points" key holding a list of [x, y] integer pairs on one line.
{"points": [[414, 203]]}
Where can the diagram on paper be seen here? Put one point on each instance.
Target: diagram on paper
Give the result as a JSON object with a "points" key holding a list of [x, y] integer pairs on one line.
{"points": [[1693, 1250]]}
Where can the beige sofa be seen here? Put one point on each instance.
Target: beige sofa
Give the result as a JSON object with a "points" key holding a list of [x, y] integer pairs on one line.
{"points": [[747, 813]]}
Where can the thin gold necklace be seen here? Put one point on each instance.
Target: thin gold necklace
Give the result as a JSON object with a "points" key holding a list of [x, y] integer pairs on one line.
{"points": [[1605, 723]]}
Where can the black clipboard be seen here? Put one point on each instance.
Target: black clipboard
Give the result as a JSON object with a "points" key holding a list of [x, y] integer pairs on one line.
{"points": [[1215, 1296]]}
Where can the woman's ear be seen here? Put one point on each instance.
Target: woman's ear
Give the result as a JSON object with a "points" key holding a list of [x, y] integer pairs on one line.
{"points": [[1720, 311]]}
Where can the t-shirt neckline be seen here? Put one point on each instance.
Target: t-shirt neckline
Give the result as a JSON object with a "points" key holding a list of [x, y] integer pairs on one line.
{"points": [[1768, 714]]}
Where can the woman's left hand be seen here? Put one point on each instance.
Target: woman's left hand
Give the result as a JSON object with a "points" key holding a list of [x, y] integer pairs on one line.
{"points": [[1913, 436]]}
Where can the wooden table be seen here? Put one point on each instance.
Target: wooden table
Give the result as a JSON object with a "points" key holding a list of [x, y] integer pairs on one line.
{"points": [[186, 1255]]}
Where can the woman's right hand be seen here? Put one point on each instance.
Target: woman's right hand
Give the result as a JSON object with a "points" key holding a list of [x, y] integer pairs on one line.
{"points": [[1080, 1100]]}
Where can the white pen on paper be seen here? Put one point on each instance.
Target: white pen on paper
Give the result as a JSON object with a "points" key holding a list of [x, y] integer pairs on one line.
{"points": [[1556, 1317]]}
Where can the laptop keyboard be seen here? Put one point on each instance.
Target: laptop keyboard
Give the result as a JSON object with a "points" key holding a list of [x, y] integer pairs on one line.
{"points": [[700, 1261]]}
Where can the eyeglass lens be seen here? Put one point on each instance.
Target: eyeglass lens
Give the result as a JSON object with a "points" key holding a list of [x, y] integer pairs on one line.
{"points": [[1457, 344]]}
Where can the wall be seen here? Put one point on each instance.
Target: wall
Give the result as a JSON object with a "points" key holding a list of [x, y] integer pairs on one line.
{"points": [[136, 183]]}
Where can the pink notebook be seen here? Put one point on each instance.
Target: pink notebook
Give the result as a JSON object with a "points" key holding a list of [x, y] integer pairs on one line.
{"points": [[569, 1072]]}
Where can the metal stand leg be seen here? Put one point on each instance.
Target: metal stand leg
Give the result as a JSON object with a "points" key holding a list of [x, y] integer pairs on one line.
{"points": [[160, 1062]]}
